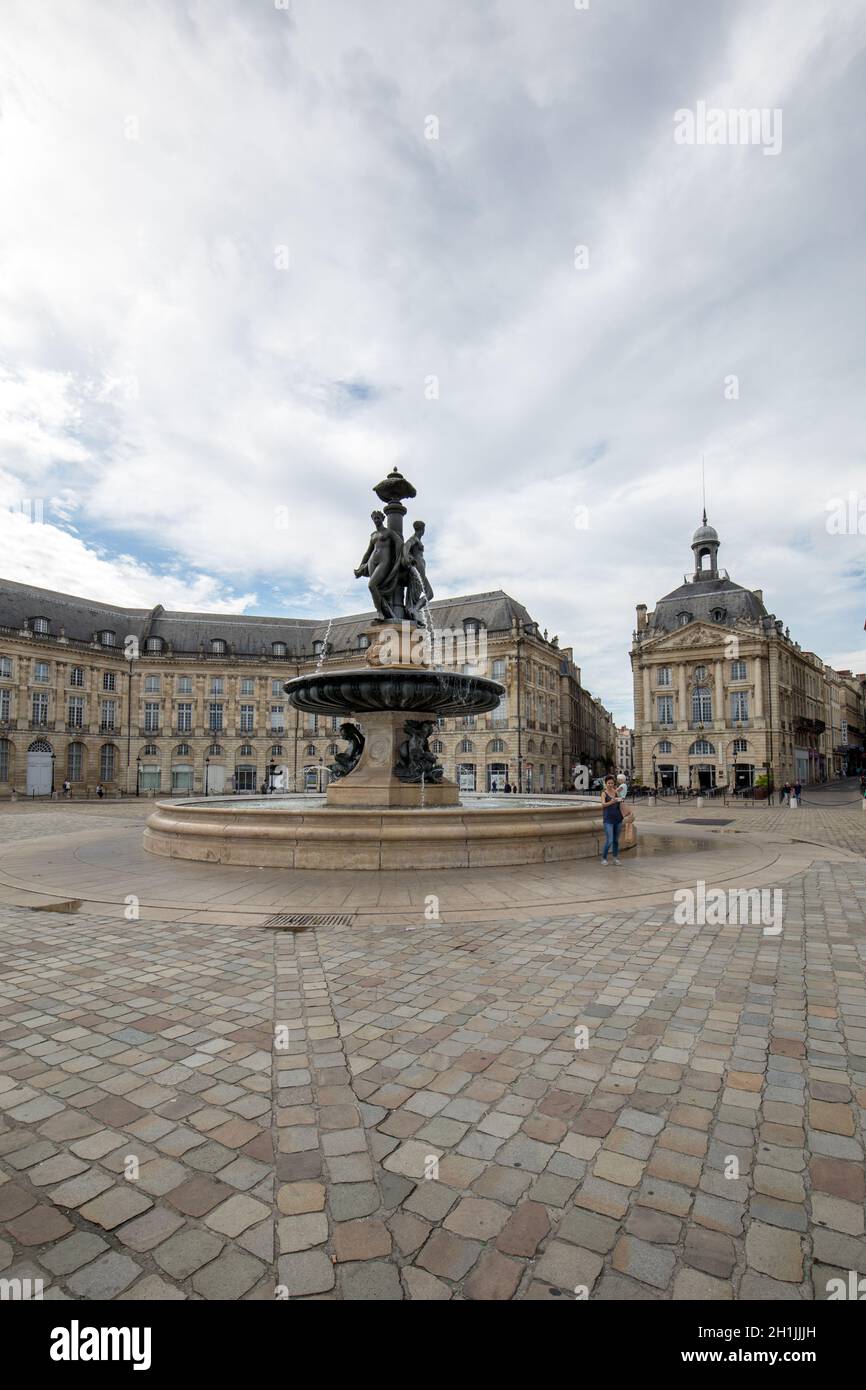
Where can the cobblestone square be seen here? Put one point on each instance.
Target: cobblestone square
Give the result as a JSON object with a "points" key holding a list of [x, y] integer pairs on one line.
{"points": [[398, 1109]]}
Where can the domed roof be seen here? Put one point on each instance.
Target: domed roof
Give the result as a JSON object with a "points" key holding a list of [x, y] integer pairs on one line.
{"points": [[705, 533]]}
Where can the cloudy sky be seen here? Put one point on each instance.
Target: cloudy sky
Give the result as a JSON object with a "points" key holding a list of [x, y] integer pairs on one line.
{"points": [[256, 254]]}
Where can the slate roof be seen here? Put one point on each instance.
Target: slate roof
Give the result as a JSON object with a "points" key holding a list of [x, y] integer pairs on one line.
{"points": [[81, 618], [699, 598]]}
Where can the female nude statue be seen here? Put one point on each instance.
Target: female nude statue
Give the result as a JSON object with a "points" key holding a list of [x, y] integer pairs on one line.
{"points": [[381, 563]]}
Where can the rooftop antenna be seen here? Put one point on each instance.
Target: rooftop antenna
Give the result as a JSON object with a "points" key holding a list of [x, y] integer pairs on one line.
{"points": [[704, 489]]}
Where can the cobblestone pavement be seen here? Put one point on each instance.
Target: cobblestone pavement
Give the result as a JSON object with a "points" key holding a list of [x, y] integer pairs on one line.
{"points": [[386, 1113]]}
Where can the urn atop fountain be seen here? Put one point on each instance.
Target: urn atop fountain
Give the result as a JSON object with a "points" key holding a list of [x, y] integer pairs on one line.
{"points": [[394, 488]]}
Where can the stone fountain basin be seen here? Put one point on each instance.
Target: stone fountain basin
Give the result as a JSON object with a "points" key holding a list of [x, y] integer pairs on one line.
{"points": [[290, 833], [368, 690]]}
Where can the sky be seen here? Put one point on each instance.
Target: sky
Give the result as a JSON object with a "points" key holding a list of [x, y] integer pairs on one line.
{"points": [[253, 255]]}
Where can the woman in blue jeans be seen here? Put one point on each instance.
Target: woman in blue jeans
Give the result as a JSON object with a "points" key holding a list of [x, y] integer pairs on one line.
{"points": [[612, 816]]}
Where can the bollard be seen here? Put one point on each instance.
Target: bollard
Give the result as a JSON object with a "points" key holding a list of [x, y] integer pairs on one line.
{"points": [[699, 802]]}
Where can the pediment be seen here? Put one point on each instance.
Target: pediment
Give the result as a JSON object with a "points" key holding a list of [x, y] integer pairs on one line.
{"points": [[695, 635]]}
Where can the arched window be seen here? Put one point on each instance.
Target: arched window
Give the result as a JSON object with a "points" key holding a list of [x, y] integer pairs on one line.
{"points": [[530, 747], [150, 750], [5, 759], [217, 646], [332, 749], [107, 762], [702, 748], [496, 745], [277, 750], [318, 646], [75, 762], [245, 750], [310, 750], [153, 644], [741, 745], [363, 641], [702, 705], [215, 751], [684, 619], [437, 746], [76, 675], [665, 746], [465, 745], [181, 751], [279, 649], [719, 615]]}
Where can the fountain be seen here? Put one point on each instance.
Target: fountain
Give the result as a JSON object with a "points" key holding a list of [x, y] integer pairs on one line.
{"points": [[388, 802]]}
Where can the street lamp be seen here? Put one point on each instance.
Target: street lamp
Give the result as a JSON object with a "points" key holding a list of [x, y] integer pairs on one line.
{"points": [[655, 776], [206, 775], [138, 774], [52, 773]]}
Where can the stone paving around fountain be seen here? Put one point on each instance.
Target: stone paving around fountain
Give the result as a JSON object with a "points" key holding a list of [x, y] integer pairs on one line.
{"points": [[396, 1108]]}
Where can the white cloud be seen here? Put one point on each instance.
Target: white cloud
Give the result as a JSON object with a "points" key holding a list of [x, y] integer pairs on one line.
{"points": [[174, 388]]}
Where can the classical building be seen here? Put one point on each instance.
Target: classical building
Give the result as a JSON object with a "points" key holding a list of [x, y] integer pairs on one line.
{"points": [[625, 750], [187, 703], [724, 696]]}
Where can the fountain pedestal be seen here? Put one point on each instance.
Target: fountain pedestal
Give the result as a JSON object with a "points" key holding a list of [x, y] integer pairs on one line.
{"points": [[372, 783]]}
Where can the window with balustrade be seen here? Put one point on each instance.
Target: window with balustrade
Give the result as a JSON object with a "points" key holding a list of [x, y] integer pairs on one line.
{"points": [[702, 705], [665, 709]]}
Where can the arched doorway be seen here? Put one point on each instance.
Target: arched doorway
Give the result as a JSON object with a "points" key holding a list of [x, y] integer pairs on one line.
{"points": [[39, 768]]}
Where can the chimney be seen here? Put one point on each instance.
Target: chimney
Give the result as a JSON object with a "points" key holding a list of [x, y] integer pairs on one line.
{"points": [[641, 617]]}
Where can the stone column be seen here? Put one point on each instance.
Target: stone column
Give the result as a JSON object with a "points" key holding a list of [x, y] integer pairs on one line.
{"points": [[719, 697], [647, 697], [683, 712], [759, 688]]}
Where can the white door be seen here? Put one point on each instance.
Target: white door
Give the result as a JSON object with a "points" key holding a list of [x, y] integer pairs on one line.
{"points": [[216, 778], [466, 777], [38, 774]]}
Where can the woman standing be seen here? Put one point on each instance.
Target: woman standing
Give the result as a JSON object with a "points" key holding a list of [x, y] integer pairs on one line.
{"points": [[612, 817]]}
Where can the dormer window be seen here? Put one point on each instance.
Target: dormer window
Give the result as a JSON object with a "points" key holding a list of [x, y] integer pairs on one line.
{"points": [[472, 624], [719, 615], [279, 649], [40, 626], [318, 647], [217, 646], [107, 639], [683, 619], [153, 644], [363, 641]]}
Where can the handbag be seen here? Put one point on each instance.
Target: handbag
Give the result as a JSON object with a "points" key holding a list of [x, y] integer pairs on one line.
{"points": [[628, 834]]}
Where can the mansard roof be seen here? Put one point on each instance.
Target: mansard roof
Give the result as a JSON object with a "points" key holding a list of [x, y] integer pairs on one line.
{"points": [[80, 619]]}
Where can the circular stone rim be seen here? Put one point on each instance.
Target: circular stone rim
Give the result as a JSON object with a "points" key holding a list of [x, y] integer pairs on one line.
{"points": [[393, 689]]}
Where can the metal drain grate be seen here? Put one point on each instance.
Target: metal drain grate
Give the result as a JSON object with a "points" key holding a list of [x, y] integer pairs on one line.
{"points": [[70, 905], [305, 921]]}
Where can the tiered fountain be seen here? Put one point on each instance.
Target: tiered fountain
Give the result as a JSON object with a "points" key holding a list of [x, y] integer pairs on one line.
{"points": [[388, 803]]}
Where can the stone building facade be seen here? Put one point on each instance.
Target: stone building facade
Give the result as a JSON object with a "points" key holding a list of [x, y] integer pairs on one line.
{"points": [[724, 696], [193, 703], [625, 750]]}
